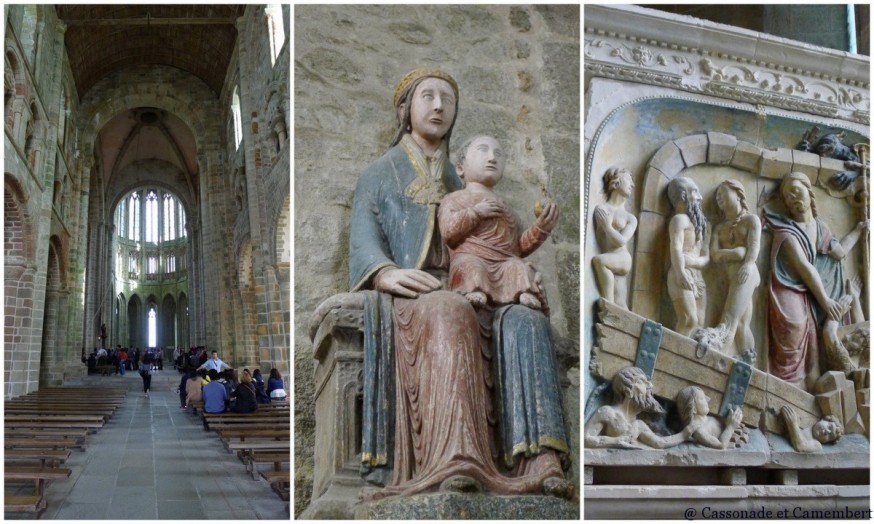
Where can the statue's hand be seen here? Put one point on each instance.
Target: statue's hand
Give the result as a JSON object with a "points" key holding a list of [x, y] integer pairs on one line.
{"points": [[602, 219], [789, 415], [744, 273], [549, 217], [487, 209], [833, 309], [864, 225], [735, 417], [407, 283]]}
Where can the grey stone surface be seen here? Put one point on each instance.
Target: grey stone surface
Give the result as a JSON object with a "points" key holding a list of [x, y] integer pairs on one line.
{"points": [[851, 451], [451, 506], [753, 453], [184, 473]]}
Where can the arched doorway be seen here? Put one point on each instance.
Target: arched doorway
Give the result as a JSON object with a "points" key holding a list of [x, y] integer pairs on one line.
{"points": [[168, 322], [135, 324]]}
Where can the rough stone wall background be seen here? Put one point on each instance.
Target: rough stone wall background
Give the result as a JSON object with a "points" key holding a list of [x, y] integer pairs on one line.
{"points": [[518, 72]]}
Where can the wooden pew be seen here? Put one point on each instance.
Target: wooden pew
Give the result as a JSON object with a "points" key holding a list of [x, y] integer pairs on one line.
{"points": [[30, 503], [47, 457]]}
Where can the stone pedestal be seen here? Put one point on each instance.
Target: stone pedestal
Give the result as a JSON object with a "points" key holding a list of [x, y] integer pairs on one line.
{"points": [[339, 351], [466, 506]]}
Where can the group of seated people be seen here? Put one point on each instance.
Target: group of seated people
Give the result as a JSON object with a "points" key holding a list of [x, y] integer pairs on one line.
{"points": [[223, 391], [117, 360]]}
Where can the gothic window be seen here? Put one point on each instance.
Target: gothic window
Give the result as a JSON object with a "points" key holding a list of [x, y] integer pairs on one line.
{"points": [[152, 217], [152, 265], [132, 264], [181, 222], [153, 327], [170, 224], [171, 263], [275, 30], [133, 231], [238, 123]]}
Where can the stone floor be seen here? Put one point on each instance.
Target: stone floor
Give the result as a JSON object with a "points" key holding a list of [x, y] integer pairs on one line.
{"points": [[153, 460]]}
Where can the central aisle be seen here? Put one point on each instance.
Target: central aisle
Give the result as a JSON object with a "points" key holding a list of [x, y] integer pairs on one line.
{"points": [[153, 460]]}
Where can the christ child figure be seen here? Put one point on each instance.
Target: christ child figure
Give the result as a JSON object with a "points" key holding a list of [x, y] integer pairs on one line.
{"points": [[485, 238]]}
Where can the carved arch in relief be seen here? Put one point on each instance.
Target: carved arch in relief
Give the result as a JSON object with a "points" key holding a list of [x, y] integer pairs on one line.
{"points": [[679, 156]]}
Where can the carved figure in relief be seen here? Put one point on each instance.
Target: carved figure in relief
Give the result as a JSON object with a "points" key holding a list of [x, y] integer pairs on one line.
{"points": [[427, 412], [806, 284], [832, 146], [617, 426], [694, 407], [485, 238], [810, 440], [614, 227], [689, 234], [735, 244]]}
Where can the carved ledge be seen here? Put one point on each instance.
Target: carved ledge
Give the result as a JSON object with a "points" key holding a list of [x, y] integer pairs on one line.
{"points": [[641, 45]]}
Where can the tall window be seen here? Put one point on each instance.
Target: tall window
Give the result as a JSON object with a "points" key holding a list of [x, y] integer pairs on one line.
{"points": [[275, 30], [181, 215], [238, 123], [171, 264], [152, 217], [169, 217], [152, 265], [153, 327], [133, 231]]}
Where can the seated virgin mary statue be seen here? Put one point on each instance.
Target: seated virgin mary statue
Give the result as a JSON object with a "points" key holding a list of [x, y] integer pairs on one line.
{"points": [[441, 382]]}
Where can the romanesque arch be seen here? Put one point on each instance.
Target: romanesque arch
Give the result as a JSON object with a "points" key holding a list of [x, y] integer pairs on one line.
{"points": [[50, 370]]}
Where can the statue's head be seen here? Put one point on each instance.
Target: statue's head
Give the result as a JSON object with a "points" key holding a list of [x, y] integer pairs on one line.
{"points": [[797, 193], [631, 384], [618, 179], [828, 429], [829, 144], [731, 193], [691, 402], [481, 160], [685, 197], [426, 102]]}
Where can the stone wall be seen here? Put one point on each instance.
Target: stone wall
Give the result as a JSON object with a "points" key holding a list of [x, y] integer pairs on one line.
{"points": [[38, 164], [518, 74]]}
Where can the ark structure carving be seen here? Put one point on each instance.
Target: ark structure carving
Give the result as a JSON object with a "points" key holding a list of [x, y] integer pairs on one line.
{"points": [[726, 274]]}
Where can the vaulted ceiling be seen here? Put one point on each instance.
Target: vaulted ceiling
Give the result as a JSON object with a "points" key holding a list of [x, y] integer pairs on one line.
{"points": [[102, 39]]}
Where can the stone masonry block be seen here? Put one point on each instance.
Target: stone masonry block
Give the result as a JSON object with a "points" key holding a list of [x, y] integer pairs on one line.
{"points": [[588, 475], [848, 401], [831, 381], [775, 164], [649, 278], [860, 378], [693, 148], [721, 148], [734, 477], [655, 195], [645, 303], [746, 157], [807, 163], [668, 160], [787, 477], [830, 403], [650, 228], [863, 397]]}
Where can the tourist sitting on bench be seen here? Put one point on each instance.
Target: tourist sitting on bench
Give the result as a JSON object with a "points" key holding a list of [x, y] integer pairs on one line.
{"points": [[214, 394]]}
